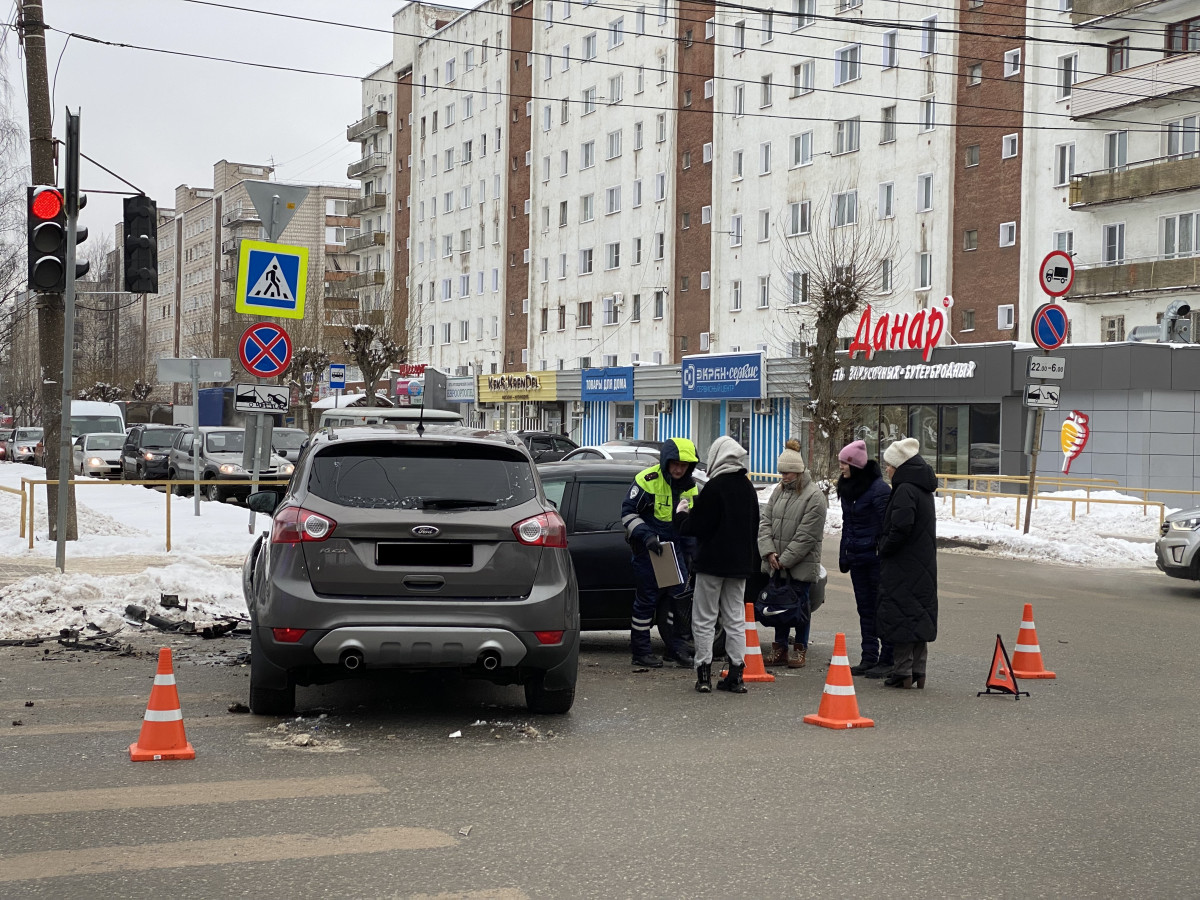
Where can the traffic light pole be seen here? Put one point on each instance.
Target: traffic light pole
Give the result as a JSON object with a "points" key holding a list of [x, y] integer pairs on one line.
{"points": [[66, 462]]}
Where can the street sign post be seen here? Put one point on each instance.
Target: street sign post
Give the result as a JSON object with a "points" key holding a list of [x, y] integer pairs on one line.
{"points": [[1054, 367], [1042, 396], [1057, 273], [1049, 326], [195, 371], [265, 349], [271, 280], [337, 377]]}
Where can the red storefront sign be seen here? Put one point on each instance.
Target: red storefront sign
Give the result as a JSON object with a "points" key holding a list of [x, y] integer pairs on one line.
{"points": [[921, 330], [410, 370]]}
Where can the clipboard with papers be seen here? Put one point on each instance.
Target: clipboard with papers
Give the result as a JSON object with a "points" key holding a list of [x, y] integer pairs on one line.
{"points": [[668, 571]]}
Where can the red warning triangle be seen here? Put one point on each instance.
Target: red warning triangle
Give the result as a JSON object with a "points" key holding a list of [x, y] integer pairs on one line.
{"points": [[1001, 679]]}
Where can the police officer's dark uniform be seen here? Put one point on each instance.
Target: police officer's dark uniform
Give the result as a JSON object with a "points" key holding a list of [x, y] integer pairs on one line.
{"points": [[648, 515]]}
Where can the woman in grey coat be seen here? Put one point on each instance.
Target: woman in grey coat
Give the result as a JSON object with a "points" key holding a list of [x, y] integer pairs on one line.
{"points": [[790, 533]]}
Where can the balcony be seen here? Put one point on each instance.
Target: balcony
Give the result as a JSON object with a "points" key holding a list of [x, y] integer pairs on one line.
{"points": [[367, 126], [1098, 10], [377, 200], [241, 215], [1143, 276], [1153, 84], [372, 162], [366, 241], [229, 274], [1144, 179], [361, 280], [232, 246]]}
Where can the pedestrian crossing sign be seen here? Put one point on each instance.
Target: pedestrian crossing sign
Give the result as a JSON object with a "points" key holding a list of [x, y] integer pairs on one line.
{"points": [[271, 279]]}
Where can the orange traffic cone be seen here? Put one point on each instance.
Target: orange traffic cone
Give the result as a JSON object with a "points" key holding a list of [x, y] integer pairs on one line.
{"points": [[1027, 655], [162, 734], [839, 705], [755, 670]]}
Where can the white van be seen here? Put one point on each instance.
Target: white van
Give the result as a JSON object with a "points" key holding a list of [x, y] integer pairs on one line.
{"points": [[92, 417], [350, 416]]}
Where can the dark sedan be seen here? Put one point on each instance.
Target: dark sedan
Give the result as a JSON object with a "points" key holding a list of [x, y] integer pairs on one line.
{"points": [[546, 447]]}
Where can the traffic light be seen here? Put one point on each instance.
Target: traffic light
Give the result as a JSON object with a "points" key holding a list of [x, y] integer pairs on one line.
{"points": [[141, 245], [47, 240]]}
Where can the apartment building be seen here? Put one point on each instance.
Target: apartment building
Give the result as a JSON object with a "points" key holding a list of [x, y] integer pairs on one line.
{"points": [[1119, 185], [198, 245], [373, 247]]}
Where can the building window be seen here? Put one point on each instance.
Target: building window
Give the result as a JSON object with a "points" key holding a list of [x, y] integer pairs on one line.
{"points": [[1008, 234], [885, 276], [615, 89], [889, 59], [1179, 235], [616, 32], [589, 101], [1112, 329], [846, 136], [887, 200], [660, 245], [705, 215], [846, 64], [802, 78], [583, 318], [707, 152], [799, 218], [887, 125], [845, 208], [1012, 63], [924, 192], [1064, 164], [735, 231], [735, 296], [767, 30], [1008, 146], [738, 159], [797, 288], [764, 225], [683, 284], [585, 261], [739, 100], [709, 88], [968, 320], [739, 36], [660, 126], [612, 256], [1116, 146], [1006, 317], [924, 271], [974, 74], [1183, 37], [1183, 136], [928, 113], [802, 149], [1064, 241], [804, 13], [614, 145], [660, 302], [970, 239], [764, 158], [612, 200], [1067, 66], [1114, 244], [660, 187], [587, 153], [929, 36], [764, 98], [1118, 55], [587, 208], [610, 310], [971, 157], [764, 291]]}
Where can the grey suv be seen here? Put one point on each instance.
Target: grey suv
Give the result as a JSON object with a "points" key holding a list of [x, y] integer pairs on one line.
{"points": [[394, 549], [220, 471]]}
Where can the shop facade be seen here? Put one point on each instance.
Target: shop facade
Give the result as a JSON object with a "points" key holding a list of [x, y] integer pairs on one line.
{"points": [[520, 401]]}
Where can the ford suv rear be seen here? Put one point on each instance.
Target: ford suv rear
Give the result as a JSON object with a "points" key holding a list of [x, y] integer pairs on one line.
{"points": [[404, 548]]}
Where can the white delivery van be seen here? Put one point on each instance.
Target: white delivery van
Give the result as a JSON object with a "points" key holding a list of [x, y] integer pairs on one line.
{"points": [[92, 416], [350, 416]]}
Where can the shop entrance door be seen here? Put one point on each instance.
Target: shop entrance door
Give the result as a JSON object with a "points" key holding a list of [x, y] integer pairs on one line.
{"points": [[737, 422], [708, 425]]}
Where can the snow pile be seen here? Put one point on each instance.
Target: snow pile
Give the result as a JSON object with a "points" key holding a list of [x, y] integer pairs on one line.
{"points": [[44, 604], [126, 519], [1110, 536]]}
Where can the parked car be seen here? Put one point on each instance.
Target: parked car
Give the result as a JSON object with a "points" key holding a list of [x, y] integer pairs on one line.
{"points": [[645, 453], [145, 451], [220, 469], [1176, 548], [545, 446], [288, 442], [98, 455], [21, 445], [398, 550]]}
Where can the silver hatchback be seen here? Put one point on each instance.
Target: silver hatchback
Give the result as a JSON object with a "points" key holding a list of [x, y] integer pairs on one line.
{"points": [[394, 549]]}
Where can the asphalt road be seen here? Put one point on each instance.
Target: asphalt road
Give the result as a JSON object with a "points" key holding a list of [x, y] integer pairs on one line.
{"points": [[647, 789]]}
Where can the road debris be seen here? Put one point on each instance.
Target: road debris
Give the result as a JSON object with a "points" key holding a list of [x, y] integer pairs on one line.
{"points": [[466, 831], [456, 734], [238, 707]]}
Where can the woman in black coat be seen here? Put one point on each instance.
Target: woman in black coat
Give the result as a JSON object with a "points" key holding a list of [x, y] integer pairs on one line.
{"points": [[907, 614]]}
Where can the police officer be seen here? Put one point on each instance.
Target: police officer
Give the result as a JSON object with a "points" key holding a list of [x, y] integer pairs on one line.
{"points": [[649, 517]]}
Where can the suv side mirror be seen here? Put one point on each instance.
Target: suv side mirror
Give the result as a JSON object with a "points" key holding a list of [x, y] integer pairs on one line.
{"points": [[263, 502]]}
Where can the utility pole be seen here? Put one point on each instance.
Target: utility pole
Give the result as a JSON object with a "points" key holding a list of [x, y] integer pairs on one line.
{"points": [[32, 30]]}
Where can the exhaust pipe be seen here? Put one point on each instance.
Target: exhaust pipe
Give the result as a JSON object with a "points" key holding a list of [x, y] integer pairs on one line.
{"points": [[352, 659], [490, 660]]}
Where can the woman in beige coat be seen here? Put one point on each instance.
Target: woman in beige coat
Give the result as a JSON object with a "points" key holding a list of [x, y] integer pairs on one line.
{"points": [[790, 533]]}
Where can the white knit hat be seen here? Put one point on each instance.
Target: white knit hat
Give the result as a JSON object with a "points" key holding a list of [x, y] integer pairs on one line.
{"points": [[900, 452]]}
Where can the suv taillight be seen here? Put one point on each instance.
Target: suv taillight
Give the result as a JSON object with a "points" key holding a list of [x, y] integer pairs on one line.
{"points": [[293, 524], [546, 530]]}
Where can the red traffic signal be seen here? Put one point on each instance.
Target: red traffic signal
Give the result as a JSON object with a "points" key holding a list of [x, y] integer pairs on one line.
{"points": [[46, 203], [47, 240]]}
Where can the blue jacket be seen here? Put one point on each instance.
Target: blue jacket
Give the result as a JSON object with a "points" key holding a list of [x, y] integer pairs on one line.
{"points": [[862, 517], [649, 507]]}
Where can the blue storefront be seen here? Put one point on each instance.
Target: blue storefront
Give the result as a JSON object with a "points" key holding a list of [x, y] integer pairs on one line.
{"points": [[608, 406]]}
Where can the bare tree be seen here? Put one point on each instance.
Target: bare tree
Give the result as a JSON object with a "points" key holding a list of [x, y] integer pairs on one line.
{"points": [[830, 275], [141, 390], [374, 351], [103, 391]]}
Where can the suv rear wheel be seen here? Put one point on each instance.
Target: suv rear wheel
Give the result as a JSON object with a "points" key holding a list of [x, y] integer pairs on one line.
{"points": [[273, 700], [543, 702]]}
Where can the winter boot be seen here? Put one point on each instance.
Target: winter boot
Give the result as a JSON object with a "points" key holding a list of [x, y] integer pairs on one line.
{"points": [[647, 661], [704, 678], [863, 667], [798, 657], [879, 670], [683, 658], [778, 655], [732, 682]]}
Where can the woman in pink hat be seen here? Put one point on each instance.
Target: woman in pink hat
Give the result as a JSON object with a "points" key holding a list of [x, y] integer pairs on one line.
{"points": [[864, 496]]}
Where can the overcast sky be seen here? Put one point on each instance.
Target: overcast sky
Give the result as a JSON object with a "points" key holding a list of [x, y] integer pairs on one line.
{"points": [[161, 120]]}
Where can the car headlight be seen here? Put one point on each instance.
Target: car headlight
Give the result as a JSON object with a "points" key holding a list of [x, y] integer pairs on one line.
{"points": [[287, 469], [231, 469], [96, 461], [24, 448], [1186, 524], [149, 457]]}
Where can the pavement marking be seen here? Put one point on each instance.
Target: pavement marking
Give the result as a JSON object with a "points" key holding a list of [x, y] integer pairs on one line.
{"points": [[102, 727], [219, 852], [189, 794]]}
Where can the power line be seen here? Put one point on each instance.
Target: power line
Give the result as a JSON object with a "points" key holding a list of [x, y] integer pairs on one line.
{"points": [[655, 107], [916, 27]]}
